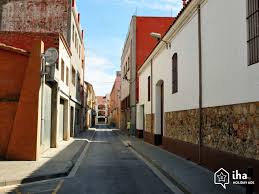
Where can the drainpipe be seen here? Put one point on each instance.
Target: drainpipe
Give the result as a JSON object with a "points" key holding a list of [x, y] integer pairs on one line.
{"points": [[200, 82], [43, 73], [151, 94]]}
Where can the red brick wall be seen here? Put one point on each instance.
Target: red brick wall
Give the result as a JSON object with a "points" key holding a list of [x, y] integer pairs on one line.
{"points": [[145, 43], [34, 15]]}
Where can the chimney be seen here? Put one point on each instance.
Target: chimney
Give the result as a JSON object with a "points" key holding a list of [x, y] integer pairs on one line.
{"points": [[73, 3], [184, 3]]}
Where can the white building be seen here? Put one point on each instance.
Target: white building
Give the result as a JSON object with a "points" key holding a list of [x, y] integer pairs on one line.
{"points": [[206, 67]]}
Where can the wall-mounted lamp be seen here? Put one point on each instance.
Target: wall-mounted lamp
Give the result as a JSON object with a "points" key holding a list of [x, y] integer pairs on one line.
{"points": [[159, 38]]}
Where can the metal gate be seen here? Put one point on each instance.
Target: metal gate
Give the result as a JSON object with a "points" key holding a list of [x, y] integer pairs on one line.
{"points": [[46, 131], [61, 120]]}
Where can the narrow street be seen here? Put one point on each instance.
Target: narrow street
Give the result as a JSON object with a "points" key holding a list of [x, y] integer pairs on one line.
{"points": [[107, 167]]}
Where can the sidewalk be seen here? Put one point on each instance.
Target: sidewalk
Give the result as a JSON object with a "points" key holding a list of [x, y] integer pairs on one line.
{"points": [[55, 162], [186, 175]]}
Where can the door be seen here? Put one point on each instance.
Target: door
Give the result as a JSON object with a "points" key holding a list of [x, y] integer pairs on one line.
{"points": [[162, 110], [61, 120], [143, 117], [71, 121], [46, 130]]}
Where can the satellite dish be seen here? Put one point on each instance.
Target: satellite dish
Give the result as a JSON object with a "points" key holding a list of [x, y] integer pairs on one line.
{"points": [[51, 56]]}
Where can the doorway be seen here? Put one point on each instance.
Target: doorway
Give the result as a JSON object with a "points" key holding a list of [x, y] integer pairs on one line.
{"points": [[71, 121], [159, 115], [61, 120]]}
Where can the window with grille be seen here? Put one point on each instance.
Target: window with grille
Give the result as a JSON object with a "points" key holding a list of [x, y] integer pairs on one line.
{"points": [[149, 88], [253, 31], [175, 73]]}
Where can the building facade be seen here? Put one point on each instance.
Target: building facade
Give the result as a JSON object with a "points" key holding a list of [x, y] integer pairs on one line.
{"points": [[115, 109], [199, 87], [137, 47], [90, 110], [48, 16], [102, 109], [55, 86]]}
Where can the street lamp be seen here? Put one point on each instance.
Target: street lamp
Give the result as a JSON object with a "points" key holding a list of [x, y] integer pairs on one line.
{"points": [[158, 36]]}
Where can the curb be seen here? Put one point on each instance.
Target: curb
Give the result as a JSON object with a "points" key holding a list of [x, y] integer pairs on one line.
{"points": [[157, 166], [49, 176]]}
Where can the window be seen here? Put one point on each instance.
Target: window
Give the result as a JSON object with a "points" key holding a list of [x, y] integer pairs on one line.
{"points": [[75, 40], [128, 64], [175, 73], [73, 76], [62, 69], [57, 66], [67, 76], [253, 31], [79, 51], [73, 33], [148, 88]]}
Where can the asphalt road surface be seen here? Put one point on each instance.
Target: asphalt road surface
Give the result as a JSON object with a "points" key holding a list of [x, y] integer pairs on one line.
{"points": [[108, 167]]}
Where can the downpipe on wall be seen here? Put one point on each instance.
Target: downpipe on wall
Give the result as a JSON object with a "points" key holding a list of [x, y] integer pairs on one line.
{"points": [[200, 82], [43, 78]]}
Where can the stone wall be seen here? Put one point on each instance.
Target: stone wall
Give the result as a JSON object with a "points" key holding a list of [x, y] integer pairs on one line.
{"points": [[233, 129], [149, 123], [182, 125]]}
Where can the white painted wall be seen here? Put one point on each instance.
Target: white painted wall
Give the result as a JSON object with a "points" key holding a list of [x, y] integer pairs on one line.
{"points": [[143, 91], [64, 55], [227, 77], [185, 44]]}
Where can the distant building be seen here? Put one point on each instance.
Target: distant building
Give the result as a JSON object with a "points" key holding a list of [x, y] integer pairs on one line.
{"points": [[137, 47], [115, 105], [90, 106], [102, 109]]}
